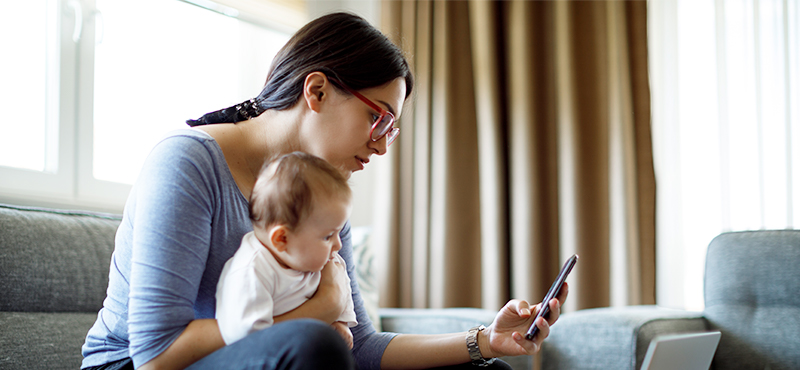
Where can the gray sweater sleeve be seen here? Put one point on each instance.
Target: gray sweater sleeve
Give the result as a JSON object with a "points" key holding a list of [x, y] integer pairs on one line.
{"points": [[368, 344]]}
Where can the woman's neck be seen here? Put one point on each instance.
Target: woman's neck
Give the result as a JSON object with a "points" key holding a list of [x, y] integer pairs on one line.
{"points": [[269, 135], [247, 145]]}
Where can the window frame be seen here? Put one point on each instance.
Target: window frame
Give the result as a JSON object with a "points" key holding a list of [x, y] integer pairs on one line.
{"points": [[71, 183], [56, 184]]}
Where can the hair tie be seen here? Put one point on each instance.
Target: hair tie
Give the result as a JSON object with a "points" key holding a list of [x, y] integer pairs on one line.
{"points": [[248, 109]]}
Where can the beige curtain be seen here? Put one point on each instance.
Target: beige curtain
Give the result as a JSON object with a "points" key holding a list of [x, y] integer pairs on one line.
{"points": [[527, 139]]}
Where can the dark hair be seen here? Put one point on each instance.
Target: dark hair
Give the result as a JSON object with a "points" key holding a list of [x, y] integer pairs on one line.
{"points": [[341, 45], [285, 190]]}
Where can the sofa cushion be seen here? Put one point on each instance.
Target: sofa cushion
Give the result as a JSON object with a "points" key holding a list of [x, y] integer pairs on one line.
{"points": [[752, 288], [43, 340], [433, 321], [54, 261]]}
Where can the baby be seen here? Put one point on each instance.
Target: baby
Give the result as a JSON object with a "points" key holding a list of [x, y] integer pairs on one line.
{"points": [[298, 206]]}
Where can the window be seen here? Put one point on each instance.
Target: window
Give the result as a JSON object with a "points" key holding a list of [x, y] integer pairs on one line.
{"points": [[102, 80], [726, 116], [26, 94], [150, 80]]}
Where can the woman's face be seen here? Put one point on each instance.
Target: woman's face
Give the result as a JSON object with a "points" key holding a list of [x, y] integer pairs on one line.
{"points": [[341, 133]]}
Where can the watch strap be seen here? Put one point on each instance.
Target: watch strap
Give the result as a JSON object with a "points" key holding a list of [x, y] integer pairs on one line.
{"points": [[474, 349]]}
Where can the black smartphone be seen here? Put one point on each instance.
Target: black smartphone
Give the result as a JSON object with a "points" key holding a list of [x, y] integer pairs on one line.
{"points": [[552, 293]]}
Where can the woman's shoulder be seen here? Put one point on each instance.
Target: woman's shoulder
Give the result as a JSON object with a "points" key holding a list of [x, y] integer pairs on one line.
{"points": [[189, 152], [187, 137], [186, 145]]}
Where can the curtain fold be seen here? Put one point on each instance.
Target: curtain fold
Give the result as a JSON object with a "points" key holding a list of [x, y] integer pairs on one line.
{"points": [[527, 140]]}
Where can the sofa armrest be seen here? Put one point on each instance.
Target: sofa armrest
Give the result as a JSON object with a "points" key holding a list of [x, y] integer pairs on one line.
{"points": [[54, 260], [612, 338], [444, 320], [433, 321]]}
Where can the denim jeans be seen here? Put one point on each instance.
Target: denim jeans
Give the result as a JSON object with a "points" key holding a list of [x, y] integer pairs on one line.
{"points": [[296, 345]]}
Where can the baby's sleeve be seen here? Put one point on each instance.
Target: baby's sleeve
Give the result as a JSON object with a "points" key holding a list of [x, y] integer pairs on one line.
{"points": [[349, 314], [244, 301]]}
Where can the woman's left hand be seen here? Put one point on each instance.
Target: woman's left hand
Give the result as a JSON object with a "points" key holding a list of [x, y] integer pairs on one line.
{"points": [[506, 335]]}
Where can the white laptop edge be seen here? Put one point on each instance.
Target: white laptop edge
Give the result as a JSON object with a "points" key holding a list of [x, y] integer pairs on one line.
{"points": [[686, 351]]}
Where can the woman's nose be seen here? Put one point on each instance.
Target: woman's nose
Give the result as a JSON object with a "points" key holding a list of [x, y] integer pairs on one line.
{"points": [[379, 147]]}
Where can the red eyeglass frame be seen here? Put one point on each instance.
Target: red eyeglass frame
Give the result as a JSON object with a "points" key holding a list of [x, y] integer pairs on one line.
{"points": [[392, 133]]}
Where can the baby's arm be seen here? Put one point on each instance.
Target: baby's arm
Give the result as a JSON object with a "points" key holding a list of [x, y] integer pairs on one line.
{"points": [[344, 331]]}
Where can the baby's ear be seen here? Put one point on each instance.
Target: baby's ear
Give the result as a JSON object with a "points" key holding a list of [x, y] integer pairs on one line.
{"points": [[278, 237]]}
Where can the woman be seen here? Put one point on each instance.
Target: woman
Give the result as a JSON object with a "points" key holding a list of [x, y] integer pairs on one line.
{"points": [[334, 91]]}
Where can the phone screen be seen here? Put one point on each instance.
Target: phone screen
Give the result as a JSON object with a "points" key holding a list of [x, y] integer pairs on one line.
{"points": [[552, 293]]}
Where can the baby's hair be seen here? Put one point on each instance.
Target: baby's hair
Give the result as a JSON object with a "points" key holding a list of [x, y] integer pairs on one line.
{"points": [[286, 188]]}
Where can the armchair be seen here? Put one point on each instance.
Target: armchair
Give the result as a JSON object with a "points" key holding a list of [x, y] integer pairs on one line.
{"points": [[752, 295]]}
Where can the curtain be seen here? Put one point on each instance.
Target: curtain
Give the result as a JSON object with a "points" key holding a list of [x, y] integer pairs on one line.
{"points": [[527, 139], [726, 112]]}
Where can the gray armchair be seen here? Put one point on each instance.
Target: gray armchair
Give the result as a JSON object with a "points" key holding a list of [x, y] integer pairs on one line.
{"points": [[752, 295]]}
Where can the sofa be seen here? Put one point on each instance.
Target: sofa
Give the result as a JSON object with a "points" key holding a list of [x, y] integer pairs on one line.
{"points": [[53, 279], [751, 294], [54, 272]]}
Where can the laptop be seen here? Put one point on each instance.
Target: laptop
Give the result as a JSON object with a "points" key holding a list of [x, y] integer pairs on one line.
{"points": [[691, 351]]}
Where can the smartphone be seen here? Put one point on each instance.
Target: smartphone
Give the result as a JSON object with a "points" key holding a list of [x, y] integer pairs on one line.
{"points": [[552, 293]]}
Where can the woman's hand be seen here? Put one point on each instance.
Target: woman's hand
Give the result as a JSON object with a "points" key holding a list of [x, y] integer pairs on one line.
{"points": [[344, 331], [506, 335], [333, 286], [328, 302]]}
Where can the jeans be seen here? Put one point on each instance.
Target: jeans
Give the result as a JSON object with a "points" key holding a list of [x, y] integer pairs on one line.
{"points": [[296, 345]]}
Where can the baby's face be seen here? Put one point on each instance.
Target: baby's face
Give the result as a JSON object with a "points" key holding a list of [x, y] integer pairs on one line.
{"points": [[316, 239]]}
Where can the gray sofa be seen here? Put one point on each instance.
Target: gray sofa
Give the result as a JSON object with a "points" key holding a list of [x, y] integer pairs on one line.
{"points": [[53, 277], [54, 273], [752, 295], [54, 270]]}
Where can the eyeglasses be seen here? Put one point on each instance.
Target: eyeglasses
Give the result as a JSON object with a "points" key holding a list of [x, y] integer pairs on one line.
{"points": [[383, 125]]}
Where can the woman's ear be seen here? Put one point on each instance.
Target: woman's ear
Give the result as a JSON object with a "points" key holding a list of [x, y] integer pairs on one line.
{"points": [[279, 237], [315, 88]]}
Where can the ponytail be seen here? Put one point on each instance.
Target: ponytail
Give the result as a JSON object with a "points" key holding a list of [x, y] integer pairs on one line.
{"points": [[237, 113]]}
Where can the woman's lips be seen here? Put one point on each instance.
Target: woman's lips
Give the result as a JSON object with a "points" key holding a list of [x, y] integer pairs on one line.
{"points": [[361, 163]]}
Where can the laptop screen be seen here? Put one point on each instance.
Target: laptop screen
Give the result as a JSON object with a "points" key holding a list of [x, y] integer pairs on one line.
{"points": [[692, 351]]}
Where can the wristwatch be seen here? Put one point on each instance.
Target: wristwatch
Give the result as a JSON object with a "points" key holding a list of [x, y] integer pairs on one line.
{"points": [[475, 350]]}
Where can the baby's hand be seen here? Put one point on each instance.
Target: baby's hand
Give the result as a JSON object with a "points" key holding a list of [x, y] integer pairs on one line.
{"points": [[344, 331]]}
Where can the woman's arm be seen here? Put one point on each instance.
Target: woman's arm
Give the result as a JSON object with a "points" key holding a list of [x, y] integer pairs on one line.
{"points": [[504, 337], [198, 340], [410, 351], [170, 211]]}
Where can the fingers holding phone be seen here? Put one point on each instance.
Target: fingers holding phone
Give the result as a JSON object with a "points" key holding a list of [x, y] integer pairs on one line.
{"points": [[557, 303], [551, 299]]}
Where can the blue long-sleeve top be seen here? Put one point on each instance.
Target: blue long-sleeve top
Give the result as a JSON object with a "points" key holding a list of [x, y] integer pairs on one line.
{"points": [[184, 218]]}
